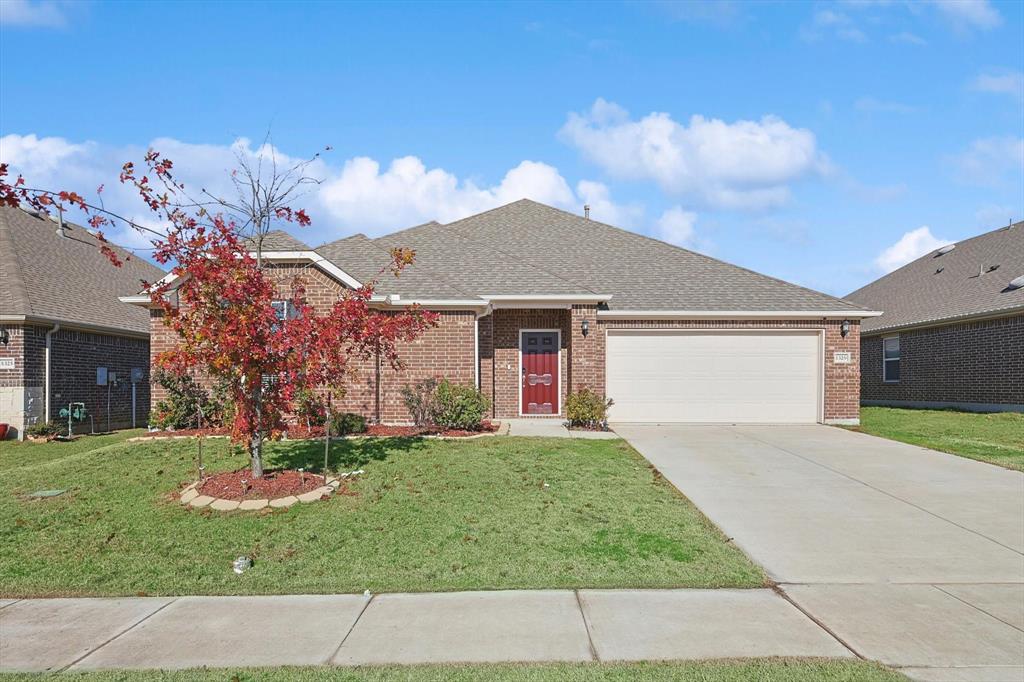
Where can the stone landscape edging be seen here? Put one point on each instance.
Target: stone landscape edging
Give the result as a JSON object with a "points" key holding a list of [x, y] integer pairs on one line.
{"points": [[191, 497], [502, 430]]}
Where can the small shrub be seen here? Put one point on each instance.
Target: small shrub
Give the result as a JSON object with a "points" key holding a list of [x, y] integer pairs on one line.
{"points": [[459, 407], [345, 423], [310, 408], [185, 397], [46, 429], [586, 409], [419, 400]]}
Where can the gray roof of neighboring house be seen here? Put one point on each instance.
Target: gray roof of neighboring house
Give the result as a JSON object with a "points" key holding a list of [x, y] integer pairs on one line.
{"points": [[957, 284], [48, 277]]}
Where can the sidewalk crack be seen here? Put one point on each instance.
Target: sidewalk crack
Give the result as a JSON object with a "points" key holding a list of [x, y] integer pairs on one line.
{"points": [[351, 628], [126, 630], [586, 626]]}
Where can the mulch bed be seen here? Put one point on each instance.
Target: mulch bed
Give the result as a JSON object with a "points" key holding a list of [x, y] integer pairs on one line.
{"points": [[239, 485], [300, 432]]}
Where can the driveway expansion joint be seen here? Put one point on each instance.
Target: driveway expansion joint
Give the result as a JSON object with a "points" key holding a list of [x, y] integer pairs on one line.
{"points": [[777, 589]]}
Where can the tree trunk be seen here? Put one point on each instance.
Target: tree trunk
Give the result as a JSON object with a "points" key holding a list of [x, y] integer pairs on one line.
{"points": [[256, 442]]}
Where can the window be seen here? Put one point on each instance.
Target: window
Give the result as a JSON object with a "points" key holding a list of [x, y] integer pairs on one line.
{"points": [[285, 310], [891, 359]]}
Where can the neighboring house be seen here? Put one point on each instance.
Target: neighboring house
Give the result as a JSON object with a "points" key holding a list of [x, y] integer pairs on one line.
{"points": [[952, 334], [61, 322], [535, 302]]}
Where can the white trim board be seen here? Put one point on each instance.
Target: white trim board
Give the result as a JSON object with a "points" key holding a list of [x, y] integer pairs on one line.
{"points": [[734, 314]]}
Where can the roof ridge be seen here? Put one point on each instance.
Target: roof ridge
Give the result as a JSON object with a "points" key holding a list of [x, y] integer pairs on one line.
{"points": [[680, 248], [374, 244], [452, 226]]}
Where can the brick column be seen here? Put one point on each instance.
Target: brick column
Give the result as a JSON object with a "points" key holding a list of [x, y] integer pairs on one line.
{"points": [[586, 367], [842, 381]]}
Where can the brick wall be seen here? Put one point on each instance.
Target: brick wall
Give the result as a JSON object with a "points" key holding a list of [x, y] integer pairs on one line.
{"points": [[75, 355], [505, 371], [446, 351], [970, 362]]}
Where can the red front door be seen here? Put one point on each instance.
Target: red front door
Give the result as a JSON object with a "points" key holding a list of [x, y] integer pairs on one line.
{"points": [[540, 372]]}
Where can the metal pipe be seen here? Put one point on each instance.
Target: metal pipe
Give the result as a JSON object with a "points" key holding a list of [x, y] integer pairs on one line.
{"points": [[46, 380]]}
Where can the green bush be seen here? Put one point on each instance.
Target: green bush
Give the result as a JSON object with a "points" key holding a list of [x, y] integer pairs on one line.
{"points": [[459, 407], [419, 400], [185, 397], [47, 430], [346, 423], [587, 409], [310, 408]]}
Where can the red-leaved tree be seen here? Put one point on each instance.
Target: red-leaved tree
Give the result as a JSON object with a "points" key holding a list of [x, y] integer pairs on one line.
{"points": [[220, 303]]}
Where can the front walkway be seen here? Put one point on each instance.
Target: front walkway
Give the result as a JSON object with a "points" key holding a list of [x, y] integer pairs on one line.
{"points": [[911, 557], [456, 627]]}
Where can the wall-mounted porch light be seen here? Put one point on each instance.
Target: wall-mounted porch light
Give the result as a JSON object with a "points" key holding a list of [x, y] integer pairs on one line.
{"points": [[844, 328], [585, 327], [5, 336]]}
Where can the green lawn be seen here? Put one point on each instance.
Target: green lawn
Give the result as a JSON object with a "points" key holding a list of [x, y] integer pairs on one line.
{"points": [[428, 515], [768, 670], [996, 438]]}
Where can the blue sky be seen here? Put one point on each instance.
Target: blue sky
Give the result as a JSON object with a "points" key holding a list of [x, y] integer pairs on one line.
{"points": [[822, 143]]}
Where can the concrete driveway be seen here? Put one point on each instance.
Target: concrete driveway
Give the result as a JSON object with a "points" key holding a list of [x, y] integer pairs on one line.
{"points": [[909, 556]]}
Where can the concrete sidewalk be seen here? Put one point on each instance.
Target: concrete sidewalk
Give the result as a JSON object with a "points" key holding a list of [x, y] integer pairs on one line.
{"points": [[456, 627]]}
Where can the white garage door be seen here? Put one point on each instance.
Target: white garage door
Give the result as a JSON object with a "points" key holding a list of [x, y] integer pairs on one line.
{"points": [[720, 376]]}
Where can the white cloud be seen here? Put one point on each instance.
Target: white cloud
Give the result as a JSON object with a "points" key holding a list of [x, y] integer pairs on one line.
{"points": [[602, 208], [911, 246], [827, 23], [991, 216], [907, 38], [359, 195], [988, 161], [877, 106], [45, 13], [407, 192], [1006, 83], [676, 226], [967, 15], [745, 164]]}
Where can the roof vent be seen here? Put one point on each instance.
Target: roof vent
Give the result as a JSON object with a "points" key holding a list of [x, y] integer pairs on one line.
{"points": [[993, 268], [939, 269], [945, 249], [1016, 283]]}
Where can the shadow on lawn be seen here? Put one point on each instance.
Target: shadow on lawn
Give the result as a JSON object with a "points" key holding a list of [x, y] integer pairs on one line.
{"points": [[344, 454]]}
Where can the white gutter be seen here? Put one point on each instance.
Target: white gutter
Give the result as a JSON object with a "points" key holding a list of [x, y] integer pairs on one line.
{"points": [[396, 301], [46, 388], [733, 314], [547, 298]]}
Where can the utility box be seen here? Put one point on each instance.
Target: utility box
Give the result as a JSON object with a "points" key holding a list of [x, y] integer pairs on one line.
{"points": [[136, 375], [101, 376]]}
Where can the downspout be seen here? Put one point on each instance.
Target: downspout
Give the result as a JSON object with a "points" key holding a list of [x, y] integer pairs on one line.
{"points": [[476, 350], [46, 388]]}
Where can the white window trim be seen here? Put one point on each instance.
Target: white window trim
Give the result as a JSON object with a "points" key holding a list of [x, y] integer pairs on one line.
{"points": [[898, 358], [558, 383]]}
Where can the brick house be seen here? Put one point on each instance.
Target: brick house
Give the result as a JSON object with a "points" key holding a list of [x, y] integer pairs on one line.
{"points": [[61, 322], [535, 302], [952, 334]]}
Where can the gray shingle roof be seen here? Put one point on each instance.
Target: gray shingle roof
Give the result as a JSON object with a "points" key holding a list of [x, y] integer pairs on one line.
{"points": [[949, 286], [279, 240], [362, 258], [67, 279], [526, 248]]}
